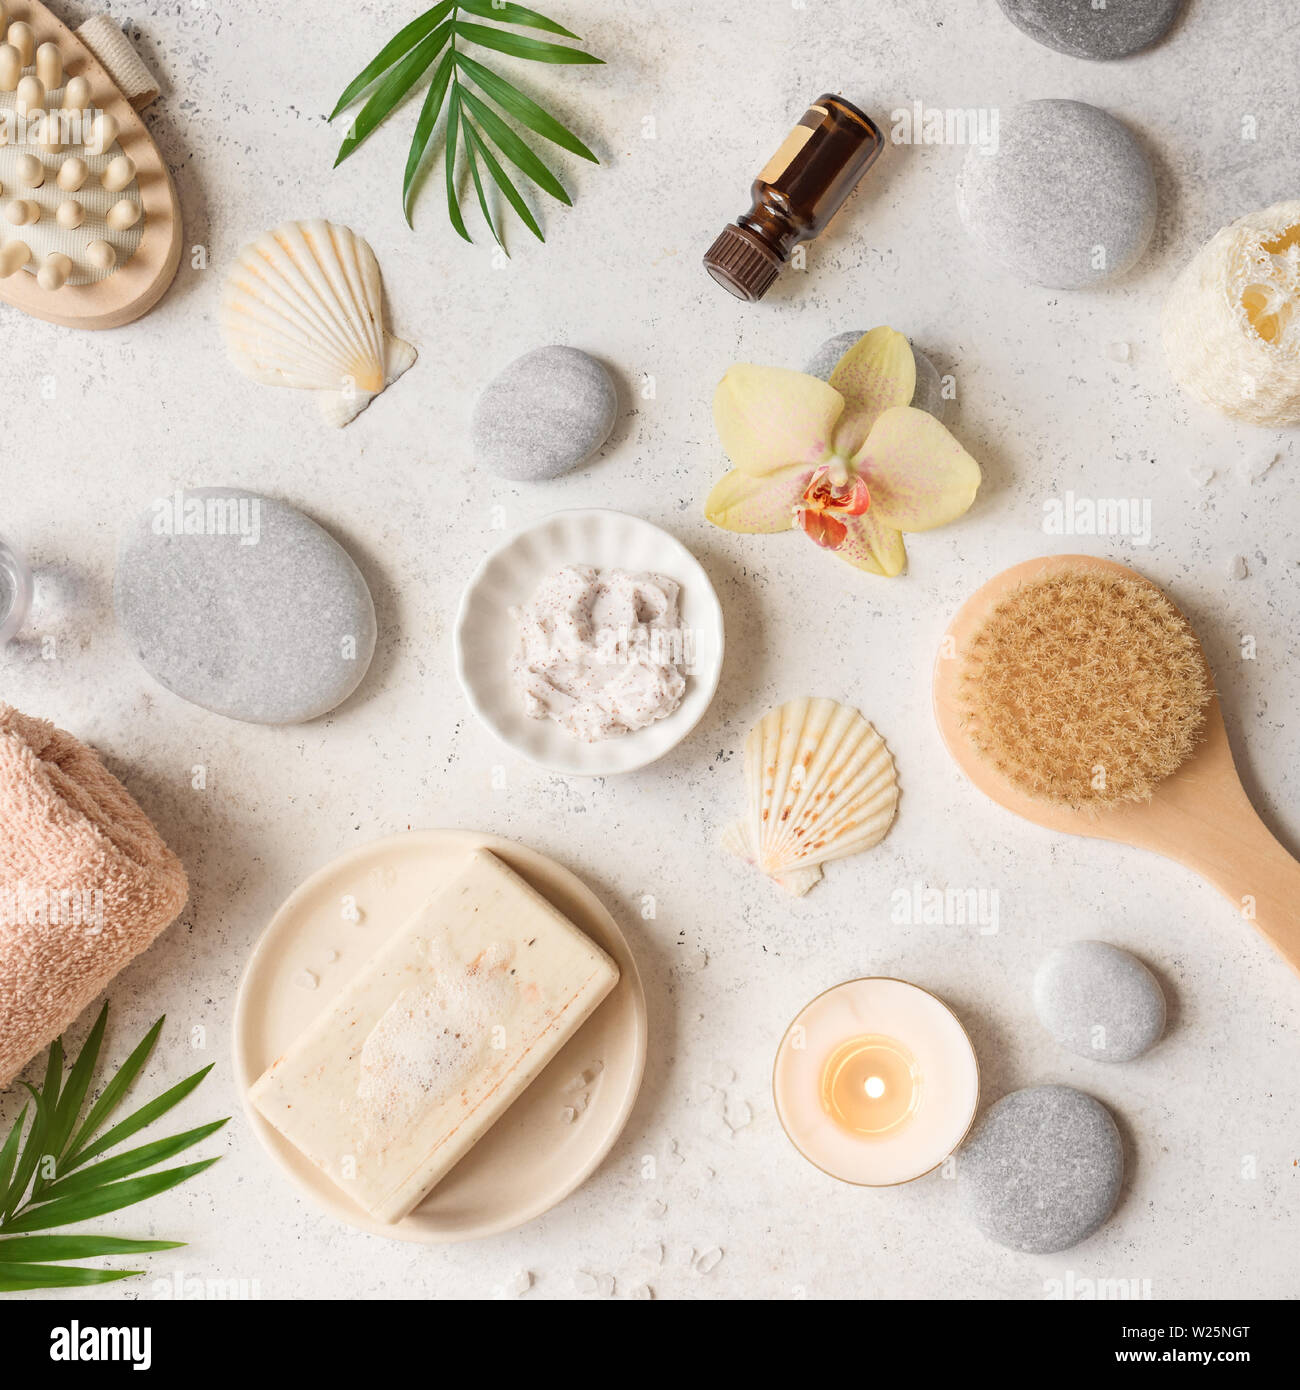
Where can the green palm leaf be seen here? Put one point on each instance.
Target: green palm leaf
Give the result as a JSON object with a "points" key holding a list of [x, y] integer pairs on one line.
{"points": [[522, 108], [145, 1115], [32, 1148], [112, 1094], [132, 1161], [400, 65], [402, 42], [472, 159], [34, 1262], [41, 1249], [9, 1154], [514, 149], [514, 14], [449, 157], [502, 180], [74, 1093], [53, 1074], [64, 1211], [123, 1165], [522, 45], [423, 137], [14, 1278], [393, 88]]}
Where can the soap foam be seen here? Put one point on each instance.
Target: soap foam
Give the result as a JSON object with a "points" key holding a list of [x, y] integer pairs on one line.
{"points": [[433, 1040]]}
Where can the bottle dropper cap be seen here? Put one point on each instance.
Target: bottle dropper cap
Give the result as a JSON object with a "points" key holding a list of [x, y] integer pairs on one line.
{"points": [[741, 263]]}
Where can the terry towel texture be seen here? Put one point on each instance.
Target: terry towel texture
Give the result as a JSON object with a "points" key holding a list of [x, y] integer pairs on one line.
{"points": [[86, 883]]}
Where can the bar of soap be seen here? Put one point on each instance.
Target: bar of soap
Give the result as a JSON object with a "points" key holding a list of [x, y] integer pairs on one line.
{"points": [[435, 1038]]}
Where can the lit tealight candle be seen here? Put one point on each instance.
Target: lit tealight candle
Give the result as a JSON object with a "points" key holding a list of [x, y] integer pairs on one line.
{"points": [[876, 1082]]}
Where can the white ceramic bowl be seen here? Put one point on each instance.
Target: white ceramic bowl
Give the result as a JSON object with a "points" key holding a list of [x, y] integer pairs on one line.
{"points": [[486, 635]]}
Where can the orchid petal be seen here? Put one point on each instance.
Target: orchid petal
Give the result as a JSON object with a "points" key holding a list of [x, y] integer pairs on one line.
{"points": [[756, 506], [919, 476], [824, 530], [873, 546], [770, 418], [877, 372]]}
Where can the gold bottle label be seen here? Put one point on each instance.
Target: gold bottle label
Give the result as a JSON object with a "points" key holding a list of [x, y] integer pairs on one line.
{"points": [[793, 143]]}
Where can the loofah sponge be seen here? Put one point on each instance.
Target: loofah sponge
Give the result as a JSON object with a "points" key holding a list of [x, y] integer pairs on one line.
{"points": [[1085, 689], [85, 883], [1231, 324]]}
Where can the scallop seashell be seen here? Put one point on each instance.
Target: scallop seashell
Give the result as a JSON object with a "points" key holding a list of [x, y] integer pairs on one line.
{"points": [[303, 307], [821, 785]]}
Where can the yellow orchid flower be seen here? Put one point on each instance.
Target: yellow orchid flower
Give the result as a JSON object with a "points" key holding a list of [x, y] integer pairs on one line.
{"points": [[851, 463]]}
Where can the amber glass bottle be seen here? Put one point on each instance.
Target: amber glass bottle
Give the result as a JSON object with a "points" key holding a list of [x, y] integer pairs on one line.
{"points": [[795, 196]]}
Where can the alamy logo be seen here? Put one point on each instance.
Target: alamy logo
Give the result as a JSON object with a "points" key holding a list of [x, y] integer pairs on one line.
{"points": [[945, 907], [1077, 1288], [919, 124], [1098, 516], [629, 646], [213, 515], [53, 129], [78, 1343], [21, 905], [188, 1287]]}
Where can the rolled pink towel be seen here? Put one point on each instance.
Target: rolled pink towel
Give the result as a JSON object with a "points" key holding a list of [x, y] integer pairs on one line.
{"points": [[86, 883]]}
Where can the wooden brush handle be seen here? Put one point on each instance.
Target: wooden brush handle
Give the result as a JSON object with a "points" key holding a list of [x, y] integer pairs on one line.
{"points": [[1248, 866]]}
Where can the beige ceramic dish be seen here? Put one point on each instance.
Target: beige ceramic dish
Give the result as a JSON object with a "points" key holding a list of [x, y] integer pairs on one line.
{"points": [[532, 1157]]}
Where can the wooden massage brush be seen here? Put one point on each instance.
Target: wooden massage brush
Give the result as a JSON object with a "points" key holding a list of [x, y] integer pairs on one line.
{"points": [[90, 230], [1074, 693]]}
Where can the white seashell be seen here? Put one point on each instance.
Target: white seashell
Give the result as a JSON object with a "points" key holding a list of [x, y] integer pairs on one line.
{"points": [[821, 785], [1231, 323], [303, 307]]}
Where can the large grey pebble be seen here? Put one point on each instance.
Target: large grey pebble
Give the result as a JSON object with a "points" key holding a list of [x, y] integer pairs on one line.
{"points": [[1083, 29], [270, 622], [546, 413], [1043, 1169], [1067, 199], [928, 395], [1099, 1001]]}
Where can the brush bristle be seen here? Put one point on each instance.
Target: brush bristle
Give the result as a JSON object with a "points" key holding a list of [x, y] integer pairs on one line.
{"points": [[1085, 689]]}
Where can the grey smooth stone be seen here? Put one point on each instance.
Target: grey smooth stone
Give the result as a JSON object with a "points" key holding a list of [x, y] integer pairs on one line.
{"points": [[1043, 1169], [1099, 1001], [1067, 199], [546, 413], [928, 395], [1079, 28], [269, 622]]}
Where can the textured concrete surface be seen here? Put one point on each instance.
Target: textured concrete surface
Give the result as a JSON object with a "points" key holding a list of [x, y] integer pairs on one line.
{"points": [[1056, 393]]}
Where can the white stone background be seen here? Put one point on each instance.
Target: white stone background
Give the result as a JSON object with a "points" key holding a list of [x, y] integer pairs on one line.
{"points": [[1042, 403]]}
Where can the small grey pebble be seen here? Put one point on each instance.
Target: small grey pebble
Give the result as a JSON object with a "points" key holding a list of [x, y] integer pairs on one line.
{"points": [[546, 413], [1043, 1169], [1099, 1001], [1083, 29], [1067, 200], [261, 616], [1237, 567], [928, 395]]}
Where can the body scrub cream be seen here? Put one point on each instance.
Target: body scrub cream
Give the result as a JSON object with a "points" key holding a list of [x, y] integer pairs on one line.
{"points": [[601, 652]]}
